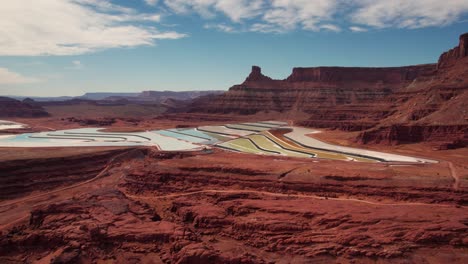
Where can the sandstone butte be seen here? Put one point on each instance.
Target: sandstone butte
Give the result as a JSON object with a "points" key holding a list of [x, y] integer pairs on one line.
{"points": [[390, 105]]}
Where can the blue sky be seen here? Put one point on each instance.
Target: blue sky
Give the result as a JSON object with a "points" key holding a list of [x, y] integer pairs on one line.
{"points": [[69, 47]]}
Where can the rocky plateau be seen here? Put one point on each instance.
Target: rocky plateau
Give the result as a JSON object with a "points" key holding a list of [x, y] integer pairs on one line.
{"points": [[389, 105]]}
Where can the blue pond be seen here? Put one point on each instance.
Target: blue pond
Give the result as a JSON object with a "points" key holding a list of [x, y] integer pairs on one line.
{"points": [[191, 135]]}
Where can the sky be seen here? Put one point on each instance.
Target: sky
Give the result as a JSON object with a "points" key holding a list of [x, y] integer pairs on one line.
{"points": [[70, 47]]}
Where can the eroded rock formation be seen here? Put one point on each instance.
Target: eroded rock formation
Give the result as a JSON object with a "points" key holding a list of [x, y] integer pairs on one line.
{"points": [[353, 98], [198, 208], [451, 57]]}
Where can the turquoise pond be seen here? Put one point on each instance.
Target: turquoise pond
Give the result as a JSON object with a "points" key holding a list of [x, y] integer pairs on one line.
{"points": [[96, 137]]}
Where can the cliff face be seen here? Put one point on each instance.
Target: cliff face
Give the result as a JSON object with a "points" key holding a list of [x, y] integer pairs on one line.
{"points": [[451, 57], [325, 94], [355, 98], [371, 76], [445, 136], [14, 108], [257, 76]]}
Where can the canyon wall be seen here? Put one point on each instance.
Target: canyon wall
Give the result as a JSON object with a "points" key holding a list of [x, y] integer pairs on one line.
{"points": [[357, 98], [451, 57], [446, 136], [22, 177]]}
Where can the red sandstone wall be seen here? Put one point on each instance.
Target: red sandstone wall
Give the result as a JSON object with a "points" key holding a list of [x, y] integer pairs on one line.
{"points": [[365, 75], [353, 98]]}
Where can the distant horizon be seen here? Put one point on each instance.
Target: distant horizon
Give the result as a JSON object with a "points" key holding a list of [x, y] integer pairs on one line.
{"points": [[110, 92], [137, 92], [133, 46]]}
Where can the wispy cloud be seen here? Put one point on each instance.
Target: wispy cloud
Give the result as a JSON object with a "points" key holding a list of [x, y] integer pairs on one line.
{"points": [[261, 15], [236, 10], [70, 27], [330, 27], [274, 16], [408, 14], [357, 29], [10, 77], [221, 27], [307, 15], [266, 28]]}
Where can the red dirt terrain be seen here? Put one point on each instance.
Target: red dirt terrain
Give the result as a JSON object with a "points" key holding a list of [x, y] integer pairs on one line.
{"points": [[390, 105], [144, 206]]}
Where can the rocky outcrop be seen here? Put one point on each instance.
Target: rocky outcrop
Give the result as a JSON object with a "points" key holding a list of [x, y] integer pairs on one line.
{"points": [[21, 177], [343, 93], [463, 46], [449, 58], [325, 97], [366, 76], [358, 99], [434, 110], [14, 108], [257, 76], [448, 137], [197, 208]]}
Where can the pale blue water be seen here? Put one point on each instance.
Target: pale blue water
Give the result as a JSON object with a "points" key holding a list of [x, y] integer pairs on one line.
{"points": [[24, 138], [84, 136], [188, 138], [196, 133]]}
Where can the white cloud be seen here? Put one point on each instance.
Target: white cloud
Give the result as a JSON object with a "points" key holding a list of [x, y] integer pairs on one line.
{"points": [[221, 27], [330, 27], [9, 77], [408, 14], [236, 10], [303, 13], [274, 16], [357, 29], [70, 27], [266, 28], [264, 15]]}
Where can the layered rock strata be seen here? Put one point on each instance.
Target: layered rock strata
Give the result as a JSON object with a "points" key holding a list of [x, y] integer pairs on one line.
{"points": [[356, 98]]}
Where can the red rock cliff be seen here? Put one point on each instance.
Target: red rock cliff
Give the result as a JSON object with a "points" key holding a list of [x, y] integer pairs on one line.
{"points": [[321, 91], [257, 76], [356, 98], [394, 75], [449, 58]]}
